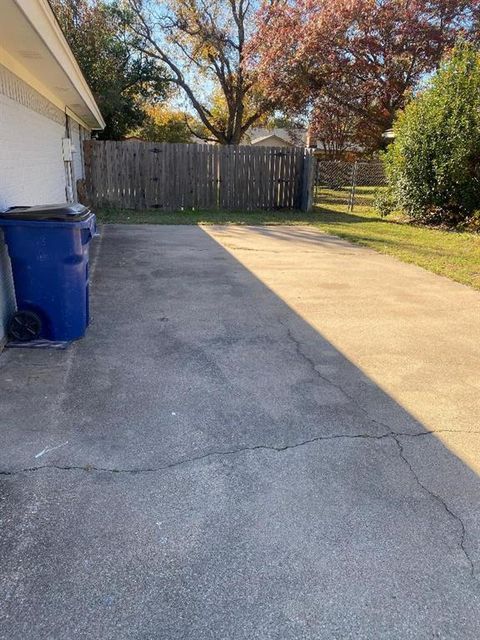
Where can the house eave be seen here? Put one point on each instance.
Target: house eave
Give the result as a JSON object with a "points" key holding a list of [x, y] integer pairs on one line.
{"points": [[30, 32]]}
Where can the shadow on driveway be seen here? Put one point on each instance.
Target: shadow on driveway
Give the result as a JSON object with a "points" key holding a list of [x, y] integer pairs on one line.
{"points": [[216, 468]]}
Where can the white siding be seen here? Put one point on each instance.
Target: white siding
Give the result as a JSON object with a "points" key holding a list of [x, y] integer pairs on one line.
{"points": [[32, 170]]}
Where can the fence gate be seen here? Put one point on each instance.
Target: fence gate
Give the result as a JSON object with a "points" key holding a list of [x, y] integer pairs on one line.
{"points": [[169, 177], [344, 185]]}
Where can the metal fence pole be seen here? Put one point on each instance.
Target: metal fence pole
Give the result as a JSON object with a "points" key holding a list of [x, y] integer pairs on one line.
{"points": [[354, 187], [348, 183]]}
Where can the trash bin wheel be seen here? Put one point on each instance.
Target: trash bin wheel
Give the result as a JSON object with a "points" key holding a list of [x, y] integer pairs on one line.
{"points": [[24, 326]]}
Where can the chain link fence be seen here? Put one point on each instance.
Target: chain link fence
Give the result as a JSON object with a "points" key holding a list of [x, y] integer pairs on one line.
{"points": [[344, 185]]}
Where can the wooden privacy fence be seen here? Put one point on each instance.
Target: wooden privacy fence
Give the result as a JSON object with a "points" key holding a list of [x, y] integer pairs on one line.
{"points": [[147, 175]]}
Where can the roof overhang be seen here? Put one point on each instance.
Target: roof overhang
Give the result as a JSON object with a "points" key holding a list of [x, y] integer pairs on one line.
{"points": [[33, 47]]}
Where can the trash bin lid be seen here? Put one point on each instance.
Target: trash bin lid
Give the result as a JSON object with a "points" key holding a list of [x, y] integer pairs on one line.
{"points": [[63, 212]]}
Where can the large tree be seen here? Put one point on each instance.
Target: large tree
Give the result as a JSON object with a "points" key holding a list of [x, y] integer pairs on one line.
{"points": [[334, 128], [165, 124], [203, 45], [121, 77], [366, 56]]}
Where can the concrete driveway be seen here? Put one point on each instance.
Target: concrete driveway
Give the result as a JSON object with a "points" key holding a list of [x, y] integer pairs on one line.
{"points": [[268, 433]]}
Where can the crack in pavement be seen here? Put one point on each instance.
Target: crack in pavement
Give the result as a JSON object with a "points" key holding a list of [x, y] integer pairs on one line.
{"points": [[388, 434], [441, 501], [281, 448], [227, 452], [313, 366], [184, 461], [396, 437]]}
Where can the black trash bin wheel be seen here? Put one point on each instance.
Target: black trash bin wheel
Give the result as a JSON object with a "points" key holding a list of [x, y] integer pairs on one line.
{"points": [[24, 326]]}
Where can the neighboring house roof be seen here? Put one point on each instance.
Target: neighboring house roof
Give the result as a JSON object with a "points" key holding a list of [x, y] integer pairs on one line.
{"points": [[33, 47], [272, 139], [293, 137]]}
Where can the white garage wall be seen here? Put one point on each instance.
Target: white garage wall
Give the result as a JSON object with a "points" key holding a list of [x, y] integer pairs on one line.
{"points": [[32, 170]]}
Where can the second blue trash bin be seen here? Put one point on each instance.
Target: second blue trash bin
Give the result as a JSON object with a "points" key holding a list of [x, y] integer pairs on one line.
{"points": [[49, 251]]}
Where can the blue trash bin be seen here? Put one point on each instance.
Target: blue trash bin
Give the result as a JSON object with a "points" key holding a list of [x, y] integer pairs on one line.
{"points": [[49, 251]]}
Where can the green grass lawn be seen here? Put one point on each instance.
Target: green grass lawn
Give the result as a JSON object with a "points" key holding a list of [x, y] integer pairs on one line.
{"points": [[448, 253]]}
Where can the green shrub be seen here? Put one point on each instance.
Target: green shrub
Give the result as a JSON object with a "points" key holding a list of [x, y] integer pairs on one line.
{"points": [[433, 167], [473, 223], [385, 201]]}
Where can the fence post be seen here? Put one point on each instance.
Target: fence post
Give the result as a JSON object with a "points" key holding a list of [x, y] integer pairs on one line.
{"points": [[354, 187], [308, 174]]}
